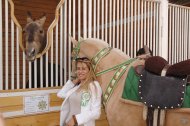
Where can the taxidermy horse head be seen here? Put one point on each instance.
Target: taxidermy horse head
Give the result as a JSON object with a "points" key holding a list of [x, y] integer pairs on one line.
{"points": [[35, 37]]}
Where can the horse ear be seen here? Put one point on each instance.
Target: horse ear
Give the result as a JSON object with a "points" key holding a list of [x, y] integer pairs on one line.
{"points": [[29, 17], [42, 20], [74, 41], [146, 49]]}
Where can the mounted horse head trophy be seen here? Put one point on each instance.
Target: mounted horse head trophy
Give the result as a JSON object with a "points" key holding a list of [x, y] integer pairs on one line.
{"points": [[35, 37]]}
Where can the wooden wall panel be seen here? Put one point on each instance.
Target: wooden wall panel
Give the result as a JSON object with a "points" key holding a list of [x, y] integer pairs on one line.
{"points": [[47, 119], [11, 104]]}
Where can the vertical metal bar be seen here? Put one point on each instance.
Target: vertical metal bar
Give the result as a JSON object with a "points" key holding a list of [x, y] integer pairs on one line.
{"points": [[12, 55], [47, 69], [142, 19], [148, 24], [170, 44], [138, 23], [35, 74], [164, 28], [114, 23], [85, 18], [128, 26], [117, 25], [18, 59], [102, 28], [74, 9], [180, 30], [154, 32], [1, 50], [56, 54], [106, 21], [157, 29], [183, 33], [145, 33], [69, 48], [110, 23], [186, 32], [52, 46], [65, 38], [30, 75], [185, 36], [61, 46], [98, 19], [125, 22], [135, 28], [89, 18], [173, 37], [177, 35], [24, 70], [79, 19], [6, 46], [151, 19], [41, 72], [121, 25], [132, 31], [175, 14], [94, 21]]}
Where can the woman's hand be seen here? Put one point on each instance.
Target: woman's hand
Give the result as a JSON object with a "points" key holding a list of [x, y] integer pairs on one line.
{"points": [[76, 81], [71, 122]]}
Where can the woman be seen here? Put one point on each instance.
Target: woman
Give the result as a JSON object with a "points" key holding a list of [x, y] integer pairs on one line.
{"points": [[82, 104]]}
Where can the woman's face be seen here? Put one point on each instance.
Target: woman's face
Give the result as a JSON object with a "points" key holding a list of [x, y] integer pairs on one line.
{"points": [[82, 71]]}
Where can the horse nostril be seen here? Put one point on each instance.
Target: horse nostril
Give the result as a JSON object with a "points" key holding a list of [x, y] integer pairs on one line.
{"points": [[33, 51]]}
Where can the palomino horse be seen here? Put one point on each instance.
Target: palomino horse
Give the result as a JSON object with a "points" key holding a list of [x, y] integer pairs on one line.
{"points": [[111, 67], [35, 41]]}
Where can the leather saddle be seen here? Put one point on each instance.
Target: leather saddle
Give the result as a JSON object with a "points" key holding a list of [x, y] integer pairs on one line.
{"points": [[161, 92]]}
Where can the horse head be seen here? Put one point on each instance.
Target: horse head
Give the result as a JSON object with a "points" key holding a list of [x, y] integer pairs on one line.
{"points": [[87, 48], [34, 36]]}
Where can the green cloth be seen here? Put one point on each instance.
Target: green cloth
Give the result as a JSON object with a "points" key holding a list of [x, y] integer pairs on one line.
{"points": [[130, 90], [186, 102]]}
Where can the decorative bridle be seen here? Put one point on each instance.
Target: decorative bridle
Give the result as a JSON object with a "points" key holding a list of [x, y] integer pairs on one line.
{"points": [[120, 69]]}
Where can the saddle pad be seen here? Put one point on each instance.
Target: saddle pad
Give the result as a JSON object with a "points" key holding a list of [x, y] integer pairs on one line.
{"points": [[130, 90], [161, 91]]}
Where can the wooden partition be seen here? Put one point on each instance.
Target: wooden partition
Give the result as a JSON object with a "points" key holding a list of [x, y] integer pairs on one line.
{"points": [[12, 107]]}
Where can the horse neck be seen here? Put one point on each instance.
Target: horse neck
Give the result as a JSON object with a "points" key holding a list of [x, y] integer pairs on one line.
{"points": [[112, 59]]}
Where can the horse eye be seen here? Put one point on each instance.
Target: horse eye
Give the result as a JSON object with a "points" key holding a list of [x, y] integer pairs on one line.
{"points": [[41, 31], [23, 31]]}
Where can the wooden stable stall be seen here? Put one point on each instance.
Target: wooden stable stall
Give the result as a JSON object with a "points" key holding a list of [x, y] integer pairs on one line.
{"points": [[124, 24], [13, 89], [13, 106]]}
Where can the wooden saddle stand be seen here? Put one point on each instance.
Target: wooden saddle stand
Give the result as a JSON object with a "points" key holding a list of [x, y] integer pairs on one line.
{"points": [[160, 93]]}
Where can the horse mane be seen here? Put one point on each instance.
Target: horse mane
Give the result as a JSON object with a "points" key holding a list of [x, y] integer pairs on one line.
{"points": [[99, 44]]}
